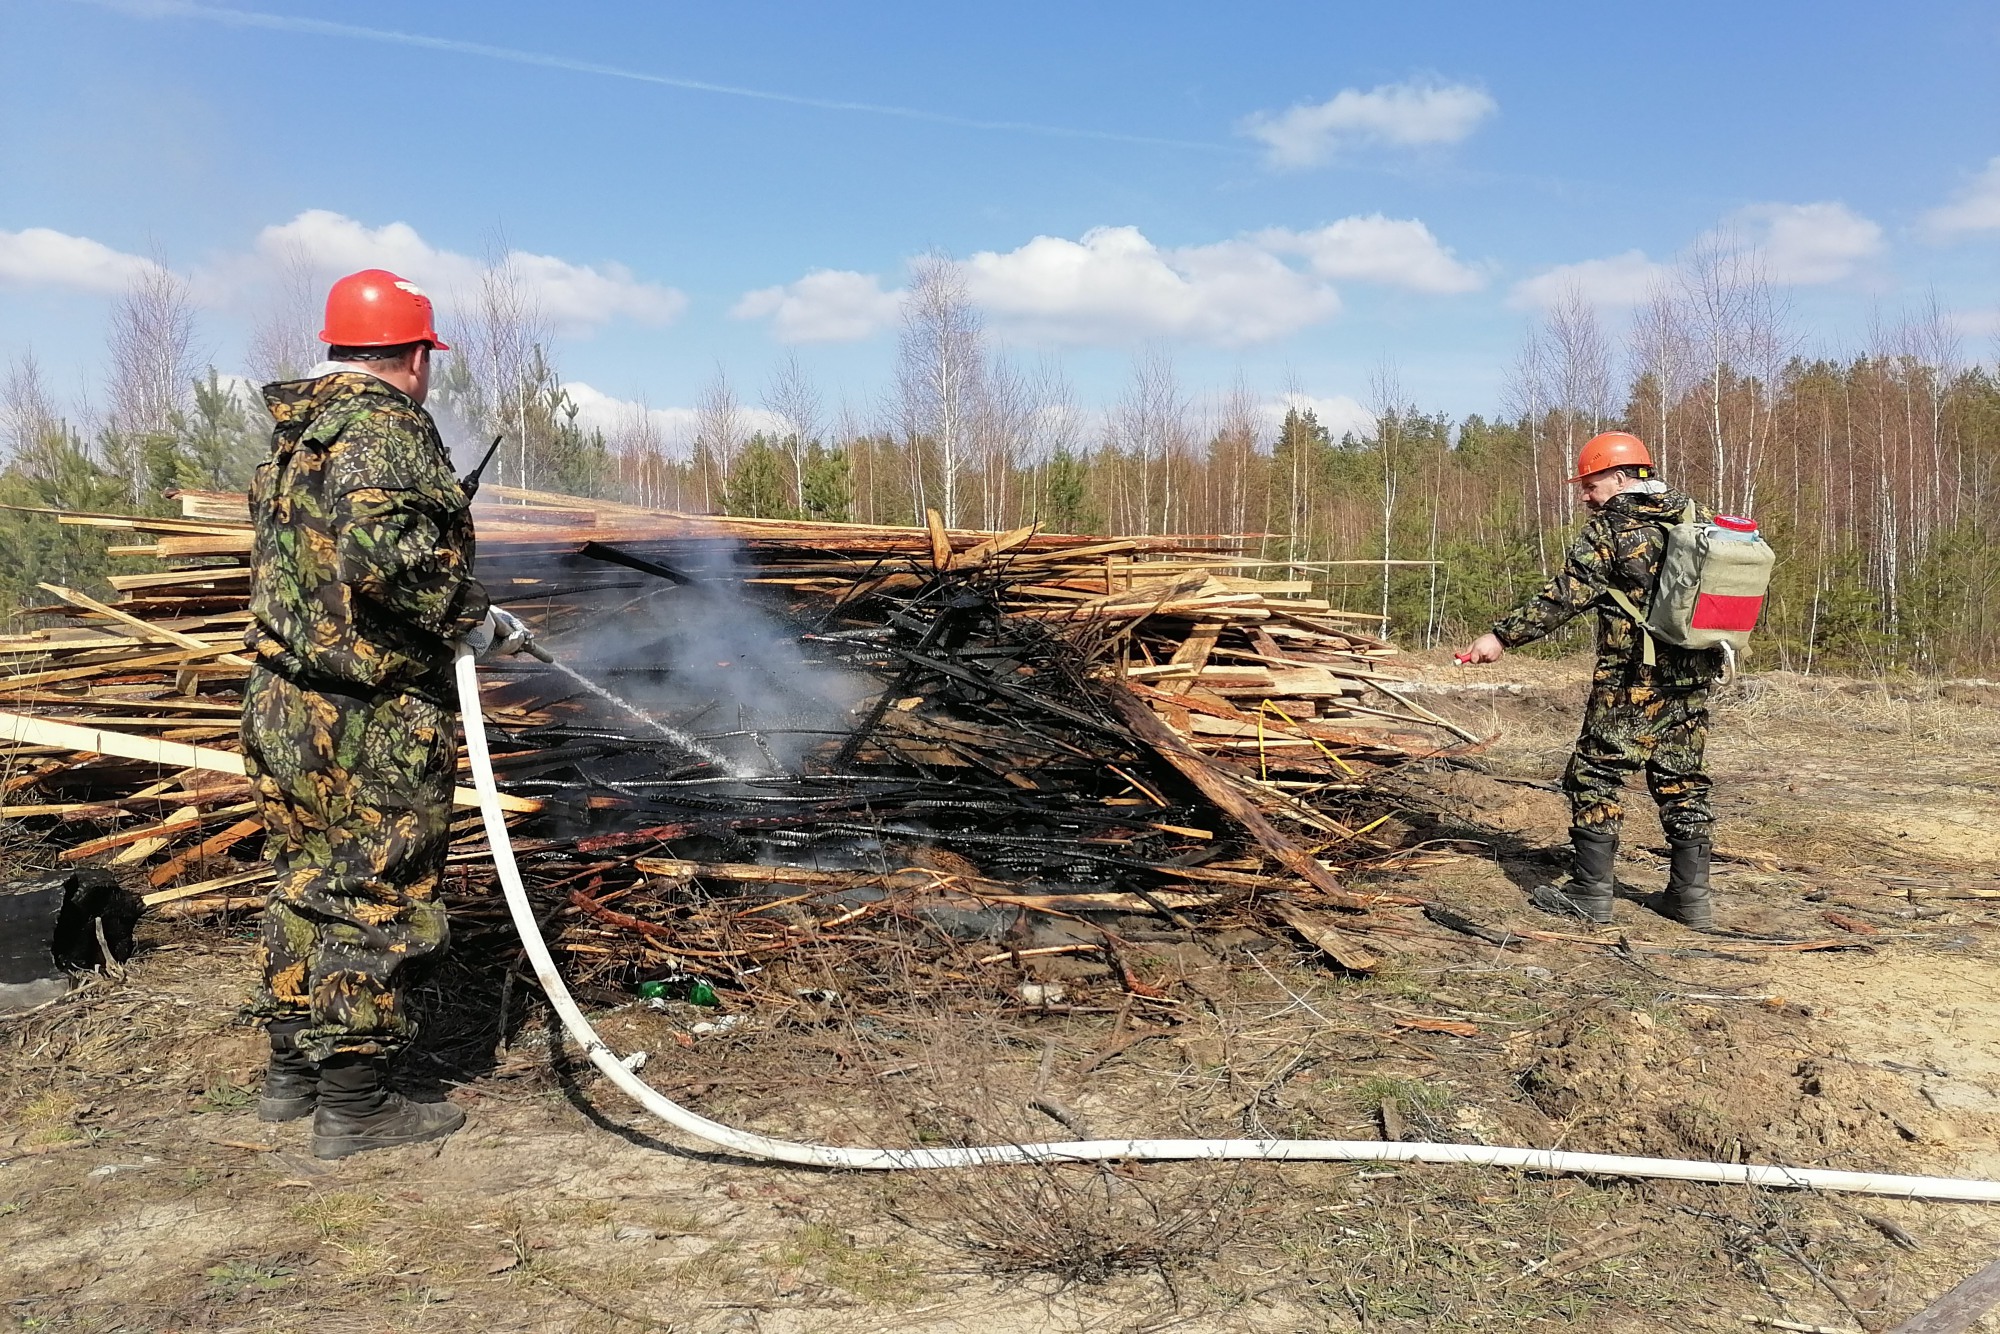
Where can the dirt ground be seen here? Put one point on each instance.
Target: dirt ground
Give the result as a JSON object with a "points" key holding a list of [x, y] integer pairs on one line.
{"points": [[138, 1191]]}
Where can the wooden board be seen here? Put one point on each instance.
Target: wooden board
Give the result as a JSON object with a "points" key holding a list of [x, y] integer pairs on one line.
{"points": [[179, 755]]}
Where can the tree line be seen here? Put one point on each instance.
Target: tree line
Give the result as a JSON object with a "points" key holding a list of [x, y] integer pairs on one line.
{"points": [[1875, 472]]}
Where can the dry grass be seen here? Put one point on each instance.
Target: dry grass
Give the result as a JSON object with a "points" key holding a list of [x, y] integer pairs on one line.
{"points": [[877, 1274], [1906, 716]]}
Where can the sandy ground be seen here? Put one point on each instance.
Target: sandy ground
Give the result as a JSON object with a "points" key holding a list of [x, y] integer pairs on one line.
{"points": [[139, 1193]]}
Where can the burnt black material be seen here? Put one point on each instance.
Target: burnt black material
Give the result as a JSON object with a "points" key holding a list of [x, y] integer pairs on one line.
{"points": [[28, 914], [49, 924]]}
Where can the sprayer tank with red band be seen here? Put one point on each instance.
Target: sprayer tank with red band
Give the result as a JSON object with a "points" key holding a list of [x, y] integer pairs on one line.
{"points": [[1712, 583]]}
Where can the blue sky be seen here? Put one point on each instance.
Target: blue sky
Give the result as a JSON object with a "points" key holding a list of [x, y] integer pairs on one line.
{"points": [[1294, 193]]}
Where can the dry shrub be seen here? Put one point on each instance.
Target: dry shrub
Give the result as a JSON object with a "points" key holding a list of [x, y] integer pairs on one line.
{"points": [[1079, 1222], [967, 1075]]}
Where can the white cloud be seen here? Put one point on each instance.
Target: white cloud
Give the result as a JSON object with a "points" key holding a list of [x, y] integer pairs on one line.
{"points": [[1979, 322], [1794, 245], [571, 296], [1807, 244], [1975, 208], [41, 257], [597, 410], [327, 244], [1396, 115], [825, 306], [1621, 280], [1339, 414], [1400, 252], [1114, 285]]}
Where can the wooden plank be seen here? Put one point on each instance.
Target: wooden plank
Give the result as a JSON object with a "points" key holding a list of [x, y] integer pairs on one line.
{"points": [[119, 666], [940, 541], [1194, 650], [219, 574], [213, 846], [207, 887], [915, 878], [137, 523], [142, 832], [1960, 1309], [1318, 931], [1217, 787], [45, 732], [992, 547], [146, 628], [228, 506], [182, 820], [171, 546]]}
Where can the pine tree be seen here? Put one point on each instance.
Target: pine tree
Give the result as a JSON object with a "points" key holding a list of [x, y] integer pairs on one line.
{"points": [[828, 487], [1066, 506]]}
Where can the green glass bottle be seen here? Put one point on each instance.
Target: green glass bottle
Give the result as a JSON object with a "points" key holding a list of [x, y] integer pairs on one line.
{"points": [[693, 990]]}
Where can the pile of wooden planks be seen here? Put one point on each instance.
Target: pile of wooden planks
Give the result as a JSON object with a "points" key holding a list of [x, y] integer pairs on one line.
{"points": [[1058, 722]]}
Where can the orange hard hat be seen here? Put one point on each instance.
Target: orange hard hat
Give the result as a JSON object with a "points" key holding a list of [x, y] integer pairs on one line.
{"points": [[1612, 449], [375, 308]]}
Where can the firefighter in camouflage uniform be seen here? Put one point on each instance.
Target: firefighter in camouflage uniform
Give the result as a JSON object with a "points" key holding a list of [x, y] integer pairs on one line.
{"points": [[1648, 707], [361, 588]]}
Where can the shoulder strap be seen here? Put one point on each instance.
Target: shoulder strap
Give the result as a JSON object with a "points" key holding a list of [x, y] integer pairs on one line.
{"points": [[1626, 605]]}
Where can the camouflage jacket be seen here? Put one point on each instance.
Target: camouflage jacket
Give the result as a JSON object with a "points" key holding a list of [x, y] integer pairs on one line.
{"points": [[1620, 547], [361, 567]]}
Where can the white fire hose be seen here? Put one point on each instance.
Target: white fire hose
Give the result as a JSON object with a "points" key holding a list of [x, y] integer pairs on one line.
{"points": [[1101, 1150]]}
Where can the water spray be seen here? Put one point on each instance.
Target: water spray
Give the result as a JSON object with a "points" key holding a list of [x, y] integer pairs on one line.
{"points": [[679, 738], [772, 1149]]}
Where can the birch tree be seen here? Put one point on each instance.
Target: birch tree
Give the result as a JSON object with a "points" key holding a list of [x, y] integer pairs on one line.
{"points": [[940, 373], [1663, 368], [795, 401], [284, 340], [718, 436], [152, 379], [1150, 426], [1385, 392]]}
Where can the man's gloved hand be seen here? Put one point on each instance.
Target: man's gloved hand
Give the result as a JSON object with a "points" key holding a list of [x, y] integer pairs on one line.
{"points": [[501, 633]]}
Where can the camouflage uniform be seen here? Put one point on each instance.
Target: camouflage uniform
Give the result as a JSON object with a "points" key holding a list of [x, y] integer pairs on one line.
{"points": [[1655, 718], [361, 580]]}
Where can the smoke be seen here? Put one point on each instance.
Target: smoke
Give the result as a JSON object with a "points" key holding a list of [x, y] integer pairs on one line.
{"points": [[703, 658]]}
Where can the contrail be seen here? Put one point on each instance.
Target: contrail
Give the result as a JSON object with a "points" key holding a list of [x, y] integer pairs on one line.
{"points": [[248, 18]]}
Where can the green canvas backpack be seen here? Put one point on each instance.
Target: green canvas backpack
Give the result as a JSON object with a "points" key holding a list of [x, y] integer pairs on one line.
{"points": [[1711, 588]]}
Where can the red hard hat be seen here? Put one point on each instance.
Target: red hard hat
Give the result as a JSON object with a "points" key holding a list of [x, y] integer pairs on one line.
{"points": [[375, 308], [1612, 449]]}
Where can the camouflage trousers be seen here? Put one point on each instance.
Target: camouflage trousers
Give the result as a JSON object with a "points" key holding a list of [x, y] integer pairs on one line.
{"points": [[355, 795], [1626, 728]]}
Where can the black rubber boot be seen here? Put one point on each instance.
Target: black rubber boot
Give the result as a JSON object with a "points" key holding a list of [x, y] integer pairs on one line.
{"points": [[1590, 890], [291, 1079], [1688, 899], [358, 1112]]}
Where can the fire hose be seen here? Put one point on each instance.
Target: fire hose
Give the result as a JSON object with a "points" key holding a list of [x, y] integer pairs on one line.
{"points": [[766, 1147]]}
